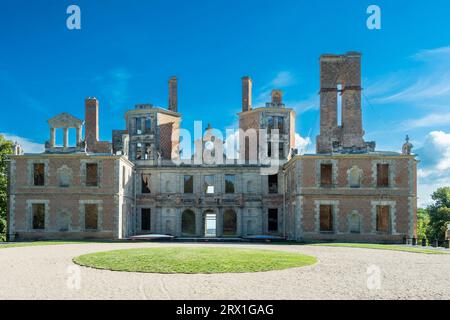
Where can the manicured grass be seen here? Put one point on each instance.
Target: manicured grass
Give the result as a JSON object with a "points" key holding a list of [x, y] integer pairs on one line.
{"points": [[38, 243], [194, 260], [383, 247]]}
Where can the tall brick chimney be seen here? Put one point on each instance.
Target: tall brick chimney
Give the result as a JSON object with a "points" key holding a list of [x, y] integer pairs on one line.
{"points": [[173, 94], [246, 94], [91, 122]]}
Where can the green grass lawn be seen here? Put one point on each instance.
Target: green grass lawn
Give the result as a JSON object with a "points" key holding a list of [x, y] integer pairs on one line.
{"points": [[383, 247], [194, 260], [4, 245]]}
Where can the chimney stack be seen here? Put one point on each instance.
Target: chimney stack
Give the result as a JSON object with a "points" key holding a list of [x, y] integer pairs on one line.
{"points": [[277, 97], [91, 121], [173, 94], [246, 94]]}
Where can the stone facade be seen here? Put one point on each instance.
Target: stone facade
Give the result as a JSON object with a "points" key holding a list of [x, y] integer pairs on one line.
{"points": [[137, 184]]}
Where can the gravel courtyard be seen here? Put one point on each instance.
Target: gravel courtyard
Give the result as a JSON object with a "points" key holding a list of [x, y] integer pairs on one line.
{"points": [[47, 272]]}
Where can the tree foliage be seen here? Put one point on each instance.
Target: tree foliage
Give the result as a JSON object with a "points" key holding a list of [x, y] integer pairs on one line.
{"points": [[423, 223], [437, 216], [6, 148]]}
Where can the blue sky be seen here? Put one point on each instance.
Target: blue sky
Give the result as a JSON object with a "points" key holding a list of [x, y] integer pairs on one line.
{"points": [[126, 51]]}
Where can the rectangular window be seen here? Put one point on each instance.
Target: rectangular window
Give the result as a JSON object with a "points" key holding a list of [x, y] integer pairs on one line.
{"points": [[188, 184], [273, 220], [281, 150], [148, 125], [273, 183], [280, 125], [90, 216], [269, 149], [138, 125], [138, 151], [326, 218], [382, 175], [326, 175], [39, 174], [145, 183], [38, 216], [209, 184], [146, 217], [270, 124], [91, 174], [383, 215], [230, 181]]}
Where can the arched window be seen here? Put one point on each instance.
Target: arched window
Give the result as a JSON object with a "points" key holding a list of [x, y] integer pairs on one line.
{"points": [[188, 223], [229, 223]]}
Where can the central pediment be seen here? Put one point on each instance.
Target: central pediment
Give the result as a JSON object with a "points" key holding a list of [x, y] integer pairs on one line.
{"points": [[65, 120]]}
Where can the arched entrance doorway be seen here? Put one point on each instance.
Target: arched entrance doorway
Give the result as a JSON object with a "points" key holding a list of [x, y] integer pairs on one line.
{"points": [[188, 223], [210, 224], [229, 223]]}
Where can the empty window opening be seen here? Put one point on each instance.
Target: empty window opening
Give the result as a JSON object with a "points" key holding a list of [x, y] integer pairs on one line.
{"points": [[91, 174], [38, 216], [281, 150], [210, 225], [145, 183], [148, 125], [272, 224], [326, 175], [189, 184], [146, 219], [229, 223], [139, 151], [339, 105], [209, 184], [230, 181], [273, 183], [39, 174], [383, 219], [382, 175], [138, 125], [90, 216], [188, 223]]}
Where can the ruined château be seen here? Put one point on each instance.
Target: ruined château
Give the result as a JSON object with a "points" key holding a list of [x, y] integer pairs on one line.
{"points": [[138, 185]]}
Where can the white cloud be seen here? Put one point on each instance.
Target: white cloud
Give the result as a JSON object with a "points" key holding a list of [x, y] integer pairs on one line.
{"points": [[427, 85], [283, 79], [27, 145], [431, 120], [434, 169], [301, 143]]}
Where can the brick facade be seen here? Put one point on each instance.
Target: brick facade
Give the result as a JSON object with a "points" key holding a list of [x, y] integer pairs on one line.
{"points": [[346, 191]]}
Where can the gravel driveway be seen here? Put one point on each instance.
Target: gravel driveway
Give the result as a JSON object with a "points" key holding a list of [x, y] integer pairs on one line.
{"points": [[47, 272]]}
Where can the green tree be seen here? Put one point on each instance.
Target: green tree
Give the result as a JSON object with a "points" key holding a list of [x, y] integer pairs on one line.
{"points": [[6, 148], [423, 223], [439, 213]]}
